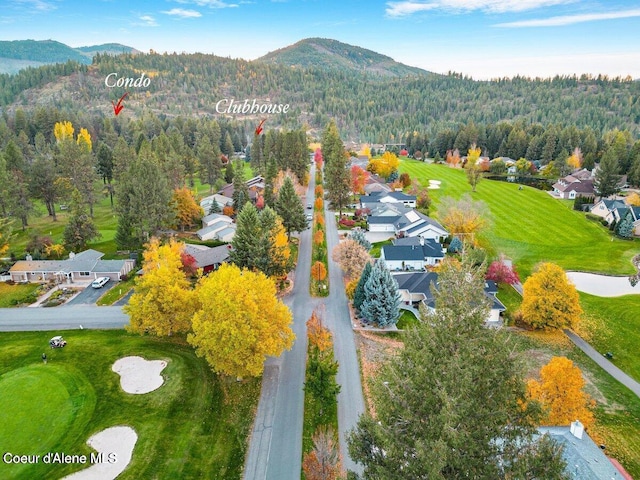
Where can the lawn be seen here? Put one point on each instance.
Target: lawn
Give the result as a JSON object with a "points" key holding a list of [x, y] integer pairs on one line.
{"points": [[407, 320], [615, 325], [530, 226], [376, 248], [12, 295], [194, 426], [117, 292]]}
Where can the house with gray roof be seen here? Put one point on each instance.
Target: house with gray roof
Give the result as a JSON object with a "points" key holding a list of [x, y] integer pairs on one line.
{"points": [[213, 218], [412, 253], [604, 208], [217, 231], [81, 267], [208, 258], [370, 201], [585, 460], [221, 200], [417, 224], [419, 287]]}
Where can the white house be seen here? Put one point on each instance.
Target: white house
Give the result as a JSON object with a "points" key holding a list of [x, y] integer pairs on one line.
{"points": [[579, 183], [209, 220], [221, 200], [226, 235], [383, 217], [416, 224], [419, 287], [217, 231], [412, 253], [604, 208], [370, 201]]}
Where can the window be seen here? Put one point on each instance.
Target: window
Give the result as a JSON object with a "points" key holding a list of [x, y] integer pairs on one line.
{"points": [[84, 274]]}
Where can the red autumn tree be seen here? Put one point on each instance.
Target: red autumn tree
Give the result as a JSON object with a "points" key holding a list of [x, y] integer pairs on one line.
{"points": [[500, 272], [358, 179], [189, 264], [317, 157]]}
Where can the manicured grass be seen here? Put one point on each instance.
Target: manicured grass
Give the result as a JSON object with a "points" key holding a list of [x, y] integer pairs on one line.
{"points": [[12, 295], [407, 320], [616, 329], [376, 248], [118, 291], [511, 300], [530, 226], [194, 426]]}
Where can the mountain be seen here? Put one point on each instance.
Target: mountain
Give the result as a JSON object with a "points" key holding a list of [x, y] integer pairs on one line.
{"points": [[325, 53], [18, 54]]}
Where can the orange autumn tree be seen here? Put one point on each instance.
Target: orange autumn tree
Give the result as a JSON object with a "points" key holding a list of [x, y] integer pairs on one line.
{"points": [[318, 271], [561, 393], [323, 462], [319, 191], [453, 158], [318, 204], [358, 179], [188, 212], [318, 237], [319, 335]]}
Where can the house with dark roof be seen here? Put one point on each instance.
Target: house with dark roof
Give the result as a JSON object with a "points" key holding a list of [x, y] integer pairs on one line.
{"points": [[255, 186], [412, 253], [383, 217], [375, 185], [419, 287], [208, 258], [417, 224], [579, 183], [81, 267], [585, 460], [604, 208], [221, 200], [371, 201], [619, 214]]}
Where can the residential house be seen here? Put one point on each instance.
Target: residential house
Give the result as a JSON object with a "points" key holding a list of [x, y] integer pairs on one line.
{"points": [[619, 214], [417, 224], [221, 200], [84, 267], [226, 234], [370, 201], [216, 226], [255, 186], [604, 208], [585, 460], [208, 258], [578, 183], [383, 216], [412, 253], [419, 287], [375, 185]]}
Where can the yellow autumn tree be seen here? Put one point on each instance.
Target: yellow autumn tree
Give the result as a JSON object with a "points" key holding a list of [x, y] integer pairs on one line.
{"points": [[84, 139], [188, 212], [473, 155], [281, 255], [163, 302], [63, 131], [318, 271], [385, 165], [319, 336], [549, 300], [366, 150], [561, 393], [575, 160], [240, 321], [633, 199], [464, 217], [5, 234]]}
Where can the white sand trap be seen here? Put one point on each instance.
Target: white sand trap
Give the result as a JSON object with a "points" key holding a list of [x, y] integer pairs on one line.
{"points": [[602, 285], [116, 445], [138, 375], [434, 184]]}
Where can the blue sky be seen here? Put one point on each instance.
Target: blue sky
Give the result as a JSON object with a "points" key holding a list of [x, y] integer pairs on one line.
{"points": [[480, 38]]}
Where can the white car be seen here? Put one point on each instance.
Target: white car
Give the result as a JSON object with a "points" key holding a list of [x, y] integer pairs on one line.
{"points": [[100, 282]]}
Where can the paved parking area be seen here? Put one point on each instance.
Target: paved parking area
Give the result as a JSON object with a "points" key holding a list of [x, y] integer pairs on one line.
{"points": [[90, 295]]}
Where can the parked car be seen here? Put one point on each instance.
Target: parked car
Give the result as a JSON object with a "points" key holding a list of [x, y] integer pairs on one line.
{"points": [[309, 206], [309, 217], [57, 342], [100, 282]]}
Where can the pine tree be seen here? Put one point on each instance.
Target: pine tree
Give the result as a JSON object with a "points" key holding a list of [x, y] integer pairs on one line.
{"points": [[214, 208], [451, 404], [624, 228], [228, 173], [290, 208], [381, 297], [80, 229], [240, 190], [247, 239], [337, 175], [359, 236], [269, 177], [359, 295], [606, 177]]}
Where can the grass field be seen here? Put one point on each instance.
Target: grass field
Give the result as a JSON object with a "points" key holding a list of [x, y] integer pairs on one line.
{"points": [[194, 426], [117, 292], [406, 320], [616, 329], [12, 295], [530, 226]]}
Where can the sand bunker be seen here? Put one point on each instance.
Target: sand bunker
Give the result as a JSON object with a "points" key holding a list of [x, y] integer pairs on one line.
{"points": [[602, 285], [138, 375], [434, 184], [115, 445]]}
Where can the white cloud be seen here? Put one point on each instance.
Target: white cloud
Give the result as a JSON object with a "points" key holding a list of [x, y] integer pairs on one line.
{"points": [[183, 13], [209, 3], [145, 21], [570, 19], [409, 7], [38, 5]]}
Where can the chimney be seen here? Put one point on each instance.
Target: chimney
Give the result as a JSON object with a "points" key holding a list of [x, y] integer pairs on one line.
{"points": [[421, 240], [577, 429]]}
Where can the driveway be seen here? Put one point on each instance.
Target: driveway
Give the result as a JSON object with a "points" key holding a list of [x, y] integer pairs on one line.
{"points": [[90, 295]]}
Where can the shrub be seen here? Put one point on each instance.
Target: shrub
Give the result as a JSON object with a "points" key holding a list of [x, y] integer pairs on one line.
{"points": [[347, 222]]}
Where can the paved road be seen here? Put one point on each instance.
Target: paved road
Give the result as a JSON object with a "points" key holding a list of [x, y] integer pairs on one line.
{"points": [[61, 318], [275, 450], [605, 364], [350, 398]]}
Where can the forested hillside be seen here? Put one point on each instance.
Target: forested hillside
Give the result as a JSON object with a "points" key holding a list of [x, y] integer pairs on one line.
{"points": [[366, 107]]}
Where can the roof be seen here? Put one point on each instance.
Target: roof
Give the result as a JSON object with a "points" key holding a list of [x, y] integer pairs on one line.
{"points": [[110, 266], [216, 216], [585, 461], [415, 220], [377, 196], [379, 219], [428, 247], [81, 262], [205, 256], [611, 204], [402, 252], [226, 231]]}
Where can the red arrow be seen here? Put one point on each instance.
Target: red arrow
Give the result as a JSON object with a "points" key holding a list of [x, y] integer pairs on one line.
{"points": [[259, 127], [117, 108]]}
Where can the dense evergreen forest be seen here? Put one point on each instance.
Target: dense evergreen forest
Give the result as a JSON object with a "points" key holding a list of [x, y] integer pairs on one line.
{"points": [[366, 107]]}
